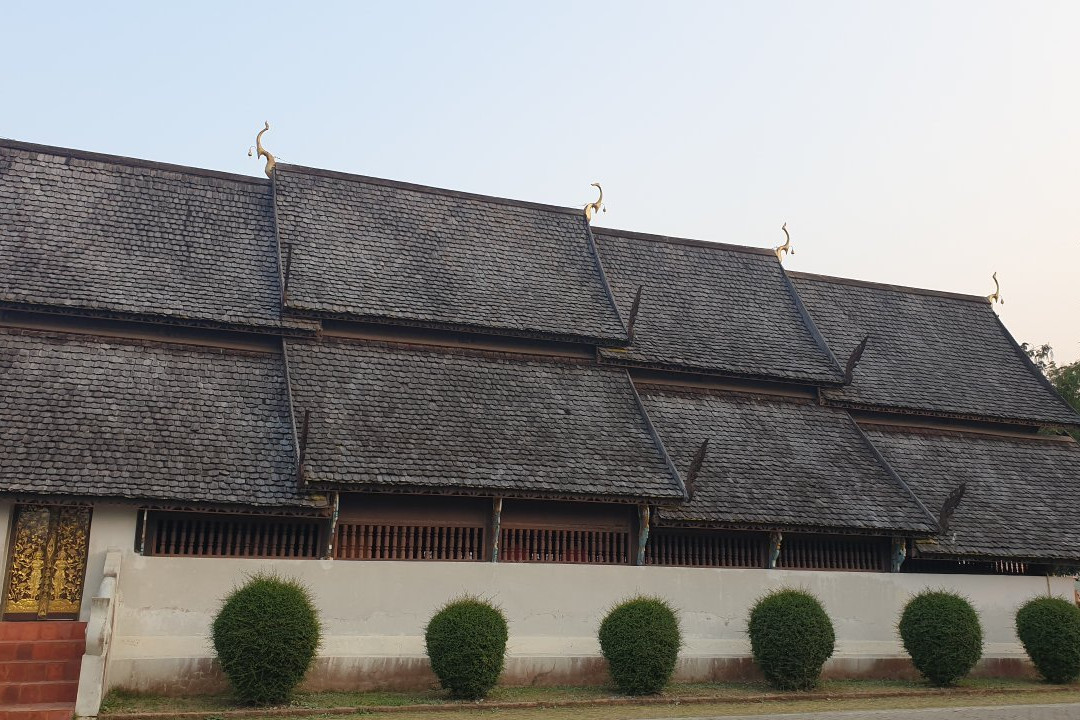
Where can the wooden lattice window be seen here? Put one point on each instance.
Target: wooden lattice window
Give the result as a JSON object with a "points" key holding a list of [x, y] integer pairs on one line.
{"points": [[554, 545], [704, 548], [831, 552], [190, 535], [372, 541]]}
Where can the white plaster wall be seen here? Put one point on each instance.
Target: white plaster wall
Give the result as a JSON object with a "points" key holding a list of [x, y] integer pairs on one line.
{"points": [[111, 526], [374, 612]]}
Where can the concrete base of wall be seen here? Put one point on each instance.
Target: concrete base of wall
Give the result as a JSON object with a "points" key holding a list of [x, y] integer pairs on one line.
{"points": [[202, 676]]}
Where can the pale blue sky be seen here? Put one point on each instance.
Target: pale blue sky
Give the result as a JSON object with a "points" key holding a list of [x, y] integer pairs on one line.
{"points": [[916, 143]]}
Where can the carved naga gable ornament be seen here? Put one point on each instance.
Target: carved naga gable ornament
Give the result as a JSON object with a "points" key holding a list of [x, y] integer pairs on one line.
{"points": [[595, 207], [782, 250], [995, 297], [271, 161]]}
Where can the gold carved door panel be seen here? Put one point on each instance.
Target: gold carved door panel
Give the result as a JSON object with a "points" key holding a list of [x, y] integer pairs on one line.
{"points": [[47, 565]]}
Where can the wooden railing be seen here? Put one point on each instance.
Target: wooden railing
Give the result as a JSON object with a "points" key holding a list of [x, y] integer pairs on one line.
{"points": [[812, 552], [184, 535], [604, 547], [364, 541], [706, 549]]}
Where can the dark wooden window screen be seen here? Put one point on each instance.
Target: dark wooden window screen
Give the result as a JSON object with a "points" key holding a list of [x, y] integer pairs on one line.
{"points": [[702, 548], [369, 541], [823, 552], [189, 535], [554, 545]]}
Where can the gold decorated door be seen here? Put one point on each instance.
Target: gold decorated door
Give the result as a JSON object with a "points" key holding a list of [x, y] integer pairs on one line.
{"points": [[47, 563]]}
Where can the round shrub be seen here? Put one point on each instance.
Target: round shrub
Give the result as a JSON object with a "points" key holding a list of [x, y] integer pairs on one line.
{"points": [[941, 633], [466, 644], [1049, 628], [791, 637], [640, 638], [265, 636]]}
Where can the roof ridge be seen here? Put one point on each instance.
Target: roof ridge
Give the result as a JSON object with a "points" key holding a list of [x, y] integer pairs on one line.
{"points": [[129, 161], [1033, 369], [891, 471], [417, 187], [691, 242], [982, 433], [594, 251], [809, 324], [658, 442], [886, 286]]}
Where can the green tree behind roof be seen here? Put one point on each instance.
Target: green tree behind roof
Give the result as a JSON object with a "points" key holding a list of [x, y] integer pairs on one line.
{"points": [[1065, 378]]}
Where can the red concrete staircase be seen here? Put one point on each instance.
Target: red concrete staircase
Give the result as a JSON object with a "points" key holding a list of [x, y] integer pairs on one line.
{"points": [[39, 669]]}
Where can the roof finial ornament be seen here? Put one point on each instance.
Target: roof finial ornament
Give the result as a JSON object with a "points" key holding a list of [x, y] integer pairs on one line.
{"points": [[782, 250], [271, 161], [995, 297], [597, 206]]}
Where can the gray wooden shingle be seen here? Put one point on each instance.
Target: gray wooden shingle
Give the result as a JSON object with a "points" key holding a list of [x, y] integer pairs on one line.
{"points": [[778, 462], [1021, 499], [377, 250], [124, 237], [711, 307], [385, 415], [929, 351], [83, 415]]}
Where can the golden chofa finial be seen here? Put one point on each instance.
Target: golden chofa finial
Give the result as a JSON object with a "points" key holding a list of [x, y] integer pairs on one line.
{"points": [[271, 161], [995, 297], [782, 250], [597, 206]]}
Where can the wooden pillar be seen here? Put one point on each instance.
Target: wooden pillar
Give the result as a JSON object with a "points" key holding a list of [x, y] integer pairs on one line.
{"points": [[899, 553], [496, 528], [643, 533], [776, 541], [328, 546]]}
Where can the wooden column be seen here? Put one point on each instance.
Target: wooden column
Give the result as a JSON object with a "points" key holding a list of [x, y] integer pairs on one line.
{"points": [[496, 528], [328, 546], [776, 541], [643, 533], [899, 553]]}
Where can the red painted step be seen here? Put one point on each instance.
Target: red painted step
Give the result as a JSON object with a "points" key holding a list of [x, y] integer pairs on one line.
{"points": [[51, 711], [41, 649], [39, 669], [46, 630], [36, 692], [46, 670]]}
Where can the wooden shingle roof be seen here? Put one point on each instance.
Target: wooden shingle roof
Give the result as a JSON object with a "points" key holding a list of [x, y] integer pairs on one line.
{"points": [[713, 308], [779, 462], [929, 352], [91, 416], [90, 232], [389, 252], [400, 416], [1020, 500]]}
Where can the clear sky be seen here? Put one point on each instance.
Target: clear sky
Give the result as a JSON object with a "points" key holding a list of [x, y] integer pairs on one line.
{"points": [[916, 143]]}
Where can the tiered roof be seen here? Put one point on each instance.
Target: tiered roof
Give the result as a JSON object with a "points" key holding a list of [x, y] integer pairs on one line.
{"points": [[531, 375]]}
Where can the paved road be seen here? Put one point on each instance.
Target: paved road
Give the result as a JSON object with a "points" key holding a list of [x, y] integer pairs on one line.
{"points": [[1065, 711]]}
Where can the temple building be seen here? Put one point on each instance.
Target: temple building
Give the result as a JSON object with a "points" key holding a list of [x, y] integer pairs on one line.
{"points": [[203, 374]]}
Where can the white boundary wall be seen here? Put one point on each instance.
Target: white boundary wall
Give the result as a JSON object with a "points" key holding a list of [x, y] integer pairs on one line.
{"points": [[374, 614]]}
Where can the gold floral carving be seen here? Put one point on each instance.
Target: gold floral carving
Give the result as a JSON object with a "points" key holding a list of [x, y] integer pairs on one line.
{"points": [[48, 561]]}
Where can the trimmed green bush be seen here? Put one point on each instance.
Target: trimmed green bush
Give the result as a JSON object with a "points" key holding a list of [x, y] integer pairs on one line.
{"points": [[1049, 628], [640, 638], [791, 637], [942, 634], [265, 636], [466, 644]]}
